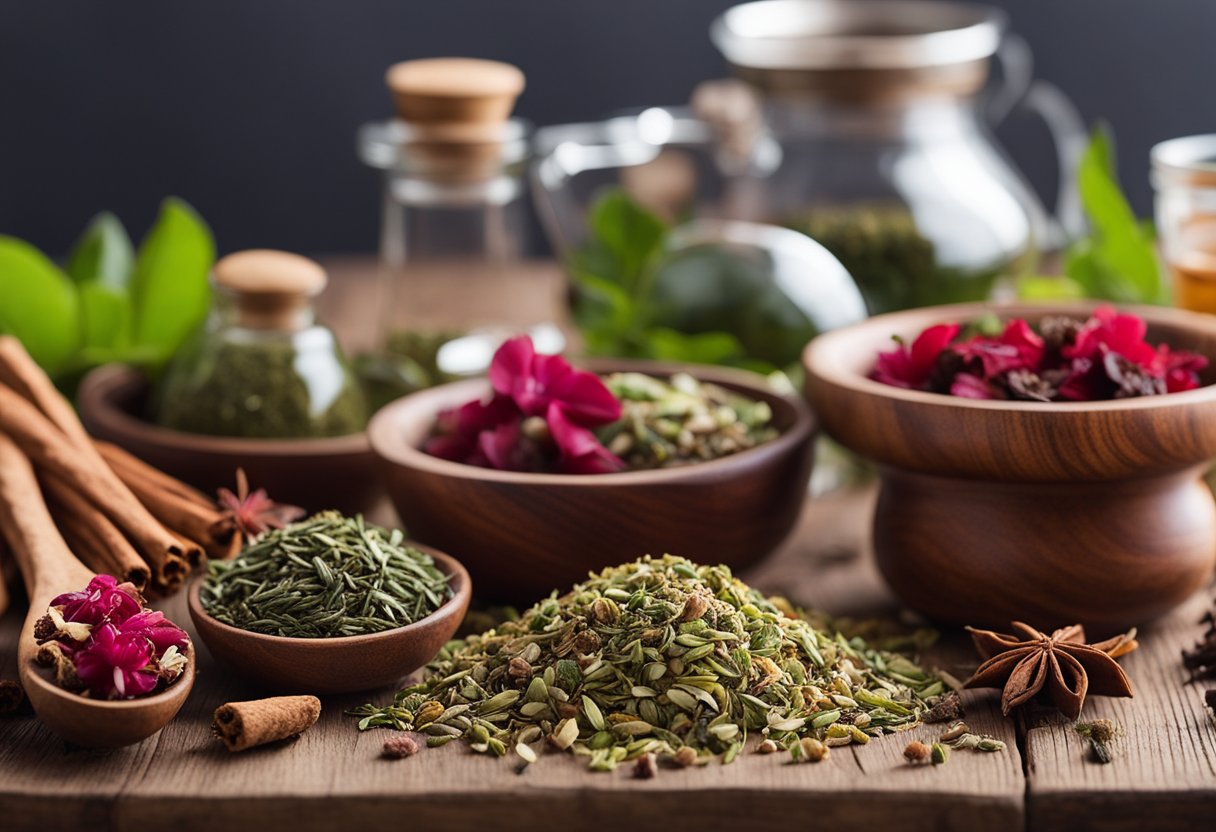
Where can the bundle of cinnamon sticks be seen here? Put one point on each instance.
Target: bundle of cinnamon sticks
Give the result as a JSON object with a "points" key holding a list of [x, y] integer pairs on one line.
{"points": [[117, 514]]}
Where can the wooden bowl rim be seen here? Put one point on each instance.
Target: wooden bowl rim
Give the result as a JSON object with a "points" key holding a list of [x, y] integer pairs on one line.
{"points": [[462, 593], [820, 358], [95, 399], [179, 690], [388, 442]]}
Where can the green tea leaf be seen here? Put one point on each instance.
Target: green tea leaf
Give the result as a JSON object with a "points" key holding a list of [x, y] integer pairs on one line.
{"points": [[103, 254], [38, 304], [1119, 261], [630, 234], [169, 290]]}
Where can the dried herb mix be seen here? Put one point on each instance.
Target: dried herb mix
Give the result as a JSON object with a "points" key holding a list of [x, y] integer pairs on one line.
{"points": [[664, 657], [325, 577], [665, 424]]}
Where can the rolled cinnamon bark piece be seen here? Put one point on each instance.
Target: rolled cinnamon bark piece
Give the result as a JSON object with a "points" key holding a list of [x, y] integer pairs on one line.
{"points": [[21, 373], [130, 467], [91, 535], [85, 471], [242, 725], [206, 525]]}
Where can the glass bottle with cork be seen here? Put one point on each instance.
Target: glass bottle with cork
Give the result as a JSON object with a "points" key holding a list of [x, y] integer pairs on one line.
{"points": [[455, 220], [261, 366]]}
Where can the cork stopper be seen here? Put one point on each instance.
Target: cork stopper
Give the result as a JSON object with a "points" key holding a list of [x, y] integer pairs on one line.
{"points": [[271, 289], [456, 109]]}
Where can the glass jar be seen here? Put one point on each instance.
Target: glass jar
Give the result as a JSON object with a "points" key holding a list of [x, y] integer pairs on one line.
{"points": [[870, 131], [261, 366], [1184, 176]]}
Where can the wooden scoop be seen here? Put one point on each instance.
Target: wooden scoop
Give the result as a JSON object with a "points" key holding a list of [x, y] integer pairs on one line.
{"points": [[49, 569]]}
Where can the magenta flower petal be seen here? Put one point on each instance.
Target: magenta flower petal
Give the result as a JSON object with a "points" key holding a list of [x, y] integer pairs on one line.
{"points": [[512, 361], [459, 428], [159, 630], [581, 451], [911, 368], [104, 599], [968, 386], [115, 665], [1026, 341], [586, 399], [500, 446]]}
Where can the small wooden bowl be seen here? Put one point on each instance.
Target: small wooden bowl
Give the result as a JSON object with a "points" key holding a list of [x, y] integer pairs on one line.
{"points": [[317, 474], [523, 535], [345, 664], [1049, 513]]}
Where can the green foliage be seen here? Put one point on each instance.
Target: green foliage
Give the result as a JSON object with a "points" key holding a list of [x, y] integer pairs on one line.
{"points": [[705, 304], [109, 303], [1118, 261]]}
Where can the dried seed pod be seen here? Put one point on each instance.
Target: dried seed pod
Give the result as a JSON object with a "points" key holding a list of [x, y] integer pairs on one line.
{"points": [[917, 752], [767, 747], [956, 730], [939, 754], [685, 757], [399, 747], [813, 750]]}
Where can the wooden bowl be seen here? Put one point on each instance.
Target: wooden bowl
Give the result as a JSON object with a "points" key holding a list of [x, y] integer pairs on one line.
{"points": [[345, 664], [317, 474], [523, 535], [1051, 513]]}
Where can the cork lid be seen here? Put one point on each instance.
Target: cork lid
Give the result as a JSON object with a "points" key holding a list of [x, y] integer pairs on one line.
{"points": [[271, 289], [454, 90]]}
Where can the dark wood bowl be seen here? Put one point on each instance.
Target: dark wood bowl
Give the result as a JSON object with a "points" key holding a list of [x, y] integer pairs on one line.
{"points": [[318, 474], [1051, 513], [522, 535], [347, 664]]}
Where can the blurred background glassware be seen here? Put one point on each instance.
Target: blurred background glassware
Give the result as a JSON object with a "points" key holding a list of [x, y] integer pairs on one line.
{"points": [[866, 125], [262, 366], [455, 214], [1184, 177]]}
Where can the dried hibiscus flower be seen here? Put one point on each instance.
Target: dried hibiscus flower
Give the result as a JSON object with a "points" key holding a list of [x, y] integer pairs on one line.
{"points": [[1104, 357], [105, 643]]}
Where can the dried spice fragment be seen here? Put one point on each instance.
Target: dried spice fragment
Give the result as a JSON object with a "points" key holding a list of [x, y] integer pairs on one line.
{"points": [[1098, 736], [244, 725], [399, 747], [916, 752]]}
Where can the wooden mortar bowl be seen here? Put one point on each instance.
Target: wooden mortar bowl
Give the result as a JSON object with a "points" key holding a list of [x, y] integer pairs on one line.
{"points": [[345, 664], [523, 535], [335, 472], [1049, 513]]}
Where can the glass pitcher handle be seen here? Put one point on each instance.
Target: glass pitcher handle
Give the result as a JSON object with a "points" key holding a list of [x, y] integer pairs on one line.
{"points": [[1019, 90]]}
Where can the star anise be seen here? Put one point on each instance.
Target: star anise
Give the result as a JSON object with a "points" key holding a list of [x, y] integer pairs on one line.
{"points": [[1061, 664], [255, 514]]}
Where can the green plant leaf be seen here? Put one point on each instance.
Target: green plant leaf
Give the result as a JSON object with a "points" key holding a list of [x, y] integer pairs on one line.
{"points": [[38, 304], [704, 348], [105, 315], [169, 290], [631, 235], [103, 254], [1119, 261], [1049, 288]]}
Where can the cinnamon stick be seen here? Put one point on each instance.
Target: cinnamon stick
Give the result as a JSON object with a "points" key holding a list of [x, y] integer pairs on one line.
{"points": [[205, 524], [21, 373], [84, 470], [242, 725], [92, 536], [129, 467], [6, 560]]}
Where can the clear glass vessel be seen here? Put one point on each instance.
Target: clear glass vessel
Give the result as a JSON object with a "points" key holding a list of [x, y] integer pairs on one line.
{"points": [[1184, 176], [261, 366]]}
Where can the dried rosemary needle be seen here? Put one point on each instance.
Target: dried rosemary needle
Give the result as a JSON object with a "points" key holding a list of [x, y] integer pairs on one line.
{"points": [[664, 657], [325, 577]]}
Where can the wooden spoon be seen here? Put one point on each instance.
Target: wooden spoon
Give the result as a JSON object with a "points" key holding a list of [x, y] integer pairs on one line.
{"points": [[49, 569]]}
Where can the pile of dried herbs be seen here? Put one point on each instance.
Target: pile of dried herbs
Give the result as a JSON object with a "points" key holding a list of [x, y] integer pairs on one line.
{"points": [[658, 657], [664, 424], [325, 577]]}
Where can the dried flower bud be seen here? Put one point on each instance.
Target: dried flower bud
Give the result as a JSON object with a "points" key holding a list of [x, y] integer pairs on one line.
{"points": [[694, 607], [813, 750], [767, 747], [587, 642], [605, 611], [947, 707], [917, 752], [685, 757], [519, 669], [400, 746], [645, 768], [44, 629], [51, 655], [12, 696]]}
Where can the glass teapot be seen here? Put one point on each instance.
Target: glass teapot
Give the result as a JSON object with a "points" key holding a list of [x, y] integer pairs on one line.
{"points": [[865, 125]]}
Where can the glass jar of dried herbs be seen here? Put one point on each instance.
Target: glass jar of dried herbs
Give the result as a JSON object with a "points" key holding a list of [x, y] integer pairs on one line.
{"points": [[325, 577], [262, 366], [660, 656]]}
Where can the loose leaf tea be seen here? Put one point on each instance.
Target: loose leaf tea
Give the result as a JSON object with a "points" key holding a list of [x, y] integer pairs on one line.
{"points": [[665, 424], [660, 656], [1105, 357], [105, 644], [325, 577]]}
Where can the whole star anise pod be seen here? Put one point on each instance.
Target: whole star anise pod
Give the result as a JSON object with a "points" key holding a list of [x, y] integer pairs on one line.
{"points": [[255, 514], [1060, 664]]}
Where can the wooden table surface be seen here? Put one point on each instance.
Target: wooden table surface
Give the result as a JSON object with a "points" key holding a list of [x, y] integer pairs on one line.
{"points": [[1163, 775]]}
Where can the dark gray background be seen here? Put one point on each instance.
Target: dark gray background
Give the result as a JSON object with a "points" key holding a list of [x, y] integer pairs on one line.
{"points": [[248, 108]]}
